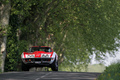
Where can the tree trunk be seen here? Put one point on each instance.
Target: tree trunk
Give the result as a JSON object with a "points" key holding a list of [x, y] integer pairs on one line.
{"points": [[4, 21]]}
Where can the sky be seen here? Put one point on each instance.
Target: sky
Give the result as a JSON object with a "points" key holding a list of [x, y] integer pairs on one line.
{"points": [[109, 59]]}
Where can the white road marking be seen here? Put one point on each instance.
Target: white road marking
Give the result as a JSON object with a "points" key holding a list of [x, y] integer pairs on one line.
{"points": [[43, 76], [37, 79]]}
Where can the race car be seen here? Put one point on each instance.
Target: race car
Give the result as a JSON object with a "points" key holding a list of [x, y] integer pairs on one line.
{"points": [[39, 56]]}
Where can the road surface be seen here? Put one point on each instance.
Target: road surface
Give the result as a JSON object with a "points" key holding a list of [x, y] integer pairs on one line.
{"points": [[48, 76]]}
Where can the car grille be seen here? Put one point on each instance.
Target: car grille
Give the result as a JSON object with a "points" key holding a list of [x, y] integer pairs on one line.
{"points": [[42, 59], [37, 59]]}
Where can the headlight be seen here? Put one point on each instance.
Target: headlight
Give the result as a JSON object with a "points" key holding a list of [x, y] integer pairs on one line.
{"points": [[30, 56], [45, 55], [22, 55]]}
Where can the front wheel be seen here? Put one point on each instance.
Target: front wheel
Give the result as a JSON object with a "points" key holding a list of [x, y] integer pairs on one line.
{"points": [[54, 65], [25, 67]]}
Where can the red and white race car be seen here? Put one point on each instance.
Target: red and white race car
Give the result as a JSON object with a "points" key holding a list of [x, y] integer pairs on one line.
{"points": [[39, 56]]}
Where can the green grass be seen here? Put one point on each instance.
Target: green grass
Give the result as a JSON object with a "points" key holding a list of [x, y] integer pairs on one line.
{"points": [[96, 68], [112, 72], [80, 68]]}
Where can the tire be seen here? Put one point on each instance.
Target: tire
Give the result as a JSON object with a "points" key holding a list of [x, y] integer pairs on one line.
{"points": [[25, 67], [54, 65]]}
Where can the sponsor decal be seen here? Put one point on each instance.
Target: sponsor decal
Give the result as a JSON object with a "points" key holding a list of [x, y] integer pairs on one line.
{"points": [[30, 55], [45, 55]]}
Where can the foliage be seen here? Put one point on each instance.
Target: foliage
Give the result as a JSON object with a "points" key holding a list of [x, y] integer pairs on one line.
{"points": [[14, 47], [0, 63], [75, 29], [112, 72]]}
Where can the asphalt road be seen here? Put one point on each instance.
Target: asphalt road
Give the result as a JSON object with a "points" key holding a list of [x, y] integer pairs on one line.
{"points": [[48, 76]]}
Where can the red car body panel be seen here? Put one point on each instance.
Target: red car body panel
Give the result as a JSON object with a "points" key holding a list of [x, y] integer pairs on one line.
{"points": [[37, 53]]}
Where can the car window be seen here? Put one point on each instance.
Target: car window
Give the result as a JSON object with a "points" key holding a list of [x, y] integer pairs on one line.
{"points": [[45, 49], [33, 49]]}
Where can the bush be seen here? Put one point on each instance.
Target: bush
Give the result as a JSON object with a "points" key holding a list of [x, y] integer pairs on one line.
{"points": [[0, 70], [112, 72], [0, 63]]}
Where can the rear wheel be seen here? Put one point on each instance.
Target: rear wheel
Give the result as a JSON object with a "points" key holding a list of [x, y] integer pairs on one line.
{"points": [[25, 67], [54, 65]]}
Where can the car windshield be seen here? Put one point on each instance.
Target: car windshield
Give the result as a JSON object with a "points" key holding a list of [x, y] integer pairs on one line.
{"points": [[45, 49]]}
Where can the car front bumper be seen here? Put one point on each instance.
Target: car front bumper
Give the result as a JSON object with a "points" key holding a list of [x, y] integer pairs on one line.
{"points": [[40, 61]]}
